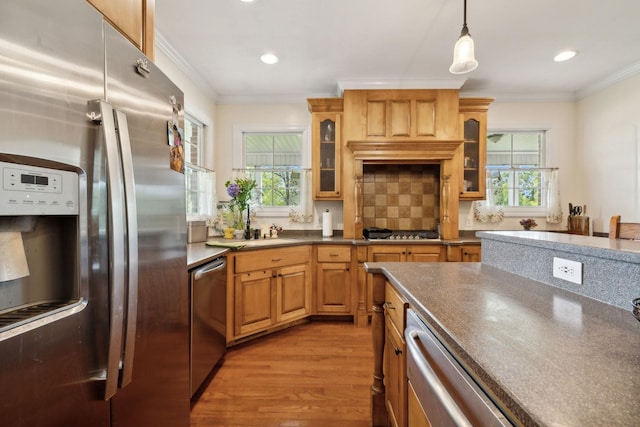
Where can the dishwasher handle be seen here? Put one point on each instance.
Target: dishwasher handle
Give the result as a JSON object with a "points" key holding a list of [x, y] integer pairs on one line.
{"points": [[428, 374], [210, 268]]}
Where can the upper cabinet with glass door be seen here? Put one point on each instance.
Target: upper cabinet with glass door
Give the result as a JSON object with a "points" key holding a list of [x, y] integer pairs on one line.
{"points": [[473, 113], [326, 129]]}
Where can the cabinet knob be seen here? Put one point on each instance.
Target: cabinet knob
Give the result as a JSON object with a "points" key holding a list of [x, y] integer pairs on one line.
{"points": [[388, 306], [276, 259], [396, 350]]}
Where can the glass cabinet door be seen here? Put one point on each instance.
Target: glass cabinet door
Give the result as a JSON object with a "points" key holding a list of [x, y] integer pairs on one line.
{"points": [[474, 128], [326, 156], [471, 159]]}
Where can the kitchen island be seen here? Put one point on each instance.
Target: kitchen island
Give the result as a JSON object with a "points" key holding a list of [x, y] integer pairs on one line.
{"points": [[548, 356]]}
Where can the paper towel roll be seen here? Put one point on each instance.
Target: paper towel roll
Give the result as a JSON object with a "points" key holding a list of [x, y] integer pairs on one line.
{"points": [[327, 224], [13, 260]]}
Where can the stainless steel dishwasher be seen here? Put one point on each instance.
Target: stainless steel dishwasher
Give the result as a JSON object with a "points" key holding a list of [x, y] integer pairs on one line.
{"points": [[208, 319], [441, 392]]}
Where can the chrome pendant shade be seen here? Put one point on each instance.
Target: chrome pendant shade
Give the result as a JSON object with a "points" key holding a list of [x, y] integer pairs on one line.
{"points": [[464, 59]]}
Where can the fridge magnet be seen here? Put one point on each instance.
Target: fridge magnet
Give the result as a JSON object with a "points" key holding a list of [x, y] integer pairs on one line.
{"points": [[176, 150], [174, 134], [176, 158]]}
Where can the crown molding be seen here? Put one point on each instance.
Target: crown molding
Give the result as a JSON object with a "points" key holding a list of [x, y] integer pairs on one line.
{"points": [[613, 79], [270, 99], [399, 84], [165, 47], [523, 97]]}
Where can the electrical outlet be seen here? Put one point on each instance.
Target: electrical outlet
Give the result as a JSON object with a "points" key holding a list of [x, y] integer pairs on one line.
{"points": [[567, 270]]}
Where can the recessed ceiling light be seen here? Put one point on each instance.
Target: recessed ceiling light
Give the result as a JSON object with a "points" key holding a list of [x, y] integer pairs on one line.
{"points": [[247, 1], [269, 58], [563, 56]]}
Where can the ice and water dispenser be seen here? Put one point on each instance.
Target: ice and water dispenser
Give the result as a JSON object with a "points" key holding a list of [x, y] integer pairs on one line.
{"points": [[39, 244]]}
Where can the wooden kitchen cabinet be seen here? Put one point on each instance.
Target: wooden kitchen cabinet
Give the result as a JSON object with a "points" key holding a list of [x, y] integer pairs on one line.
{"points": [[411, 115], [293, 292], [271, 287], [395, 360], [473, 151], [409, 253], [326, 142], [472, 253], [334, 279], [399, 253], [135, 19], [464, 253], [254, 302]]}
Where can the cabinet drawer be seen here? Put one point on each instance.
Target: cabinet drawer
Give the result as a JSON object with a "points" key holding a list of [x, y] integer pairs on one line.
{"points": [[339, 253], [271, 258], [395, 307]]}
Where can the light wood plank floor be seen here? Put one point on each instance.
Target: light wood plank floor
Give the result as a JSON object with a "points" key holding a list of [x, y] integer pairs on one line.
{"points": [[311, 375]]}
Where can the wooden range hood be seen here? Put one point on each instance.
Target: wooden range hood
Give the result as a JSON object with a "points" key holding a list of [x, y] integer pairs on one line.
{"points": [[401, 127]]}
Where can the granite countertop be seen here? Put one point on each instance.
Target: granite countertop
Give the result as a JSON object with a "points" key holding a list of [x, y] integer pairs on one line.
{"points": [[200, 253], [554, 358]]}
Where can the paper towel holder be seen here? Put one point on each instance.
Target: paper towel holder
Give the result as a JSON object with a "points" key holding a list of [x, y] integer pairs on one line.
{"points": [[327, 224]]}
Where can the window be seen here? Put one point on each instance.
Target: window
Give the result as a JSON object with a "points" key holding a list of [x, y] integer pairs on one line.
{"points": [[276, 158], [198, 180], [516, 164]]}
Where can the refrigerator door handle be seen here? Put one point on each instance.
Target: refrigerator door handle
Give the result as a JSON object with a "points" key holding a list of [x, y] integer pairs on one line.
{"points": [[122, 128], [102, 112]]}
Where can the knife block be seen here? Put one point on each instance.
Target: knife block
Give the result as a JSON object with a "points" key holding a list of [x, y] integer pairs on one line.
{"points": [[578, 224]]}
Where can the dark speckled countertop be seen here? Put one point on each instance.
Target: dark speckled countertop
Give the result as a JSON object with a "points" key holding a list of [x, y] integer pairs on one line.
{"points": [[200, 253], [554, 358]]}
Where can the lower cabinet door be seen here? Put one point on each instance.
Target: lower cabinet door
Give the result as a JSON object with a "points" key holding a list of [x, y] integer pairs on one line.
{"points": [[293, 293], [334, 288], [426, 253], [254, 305], [472, 253], [395, 377]]}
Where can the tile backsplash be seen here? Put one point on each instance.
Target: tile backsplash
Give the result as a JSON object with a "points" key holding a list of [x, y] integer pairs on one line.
{"points": [[401, 197]]}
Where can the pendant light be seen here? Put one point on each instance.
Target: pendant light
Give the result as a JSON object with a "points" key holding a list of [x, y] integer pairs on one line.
{"points": [[464, 60]]}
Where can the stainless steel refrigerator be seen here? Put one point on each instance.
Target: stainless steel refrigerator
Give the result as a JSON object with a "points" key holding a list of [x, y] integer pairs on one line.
{"points": [[94, 315]]}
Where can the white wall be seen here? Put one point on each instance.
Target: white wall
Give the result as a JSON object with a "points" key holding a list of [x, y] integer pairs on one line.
{"points": [[558, 118], [230, 115], [607, 150]]}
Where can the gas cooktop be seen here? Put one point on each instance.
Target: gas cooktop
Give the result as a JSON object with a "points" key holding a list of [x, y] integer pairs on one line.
{"points": [[374, 233]]}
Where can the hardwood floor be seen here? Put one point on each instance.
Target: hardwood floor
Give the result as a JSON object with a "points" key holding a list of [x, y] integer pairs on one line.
{"points": [[316, 374]]}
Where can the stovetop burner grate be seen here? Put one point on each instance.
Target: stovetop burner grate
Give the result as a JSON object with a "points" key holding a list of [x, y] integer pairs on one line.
{"points": [[386, 234]]}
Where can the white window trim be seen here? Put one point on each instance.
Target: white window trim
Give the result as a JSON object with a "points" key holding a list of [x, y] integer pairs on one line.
{"points": [[518, 211], [238, 150], [195, 118]]}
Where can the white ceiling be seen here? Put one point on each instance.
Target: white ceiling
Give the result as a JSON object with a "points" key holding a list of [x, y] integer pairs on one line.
{"points": [[329, 45]]}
